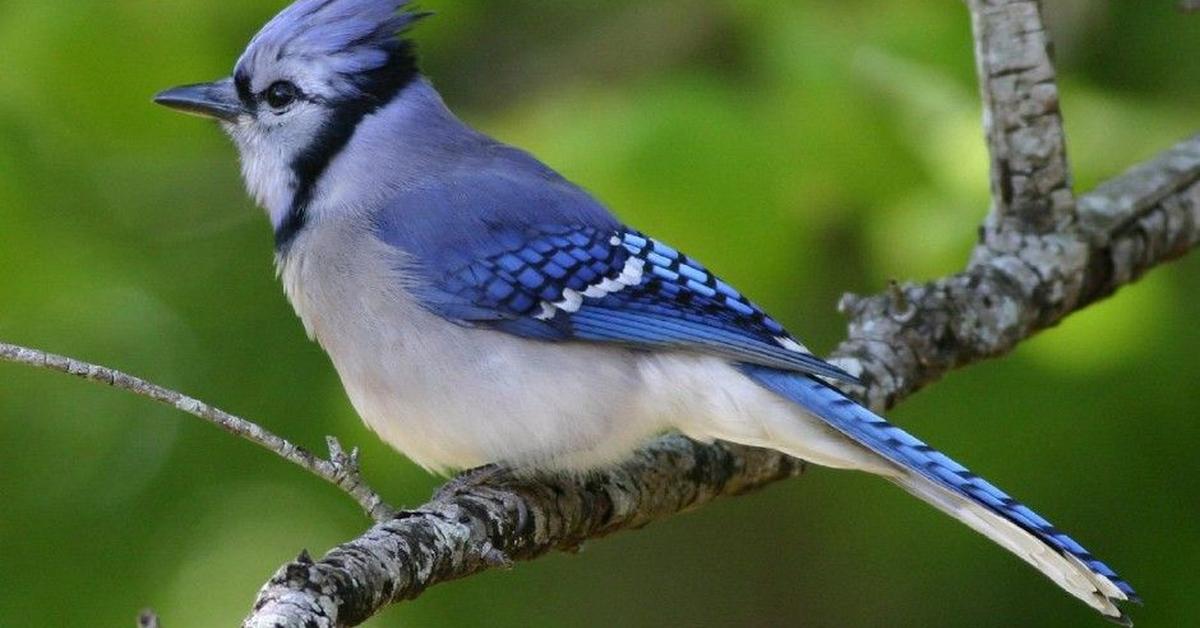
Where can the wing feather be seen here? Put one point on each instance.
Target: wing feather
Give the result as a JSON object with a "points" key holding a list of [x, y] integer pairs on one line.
{"points": [[563, 283]]}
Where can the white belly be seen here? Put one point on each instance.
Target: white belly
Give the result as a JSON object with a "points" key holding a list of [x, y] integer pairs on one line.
{"points": [[452, 397]]}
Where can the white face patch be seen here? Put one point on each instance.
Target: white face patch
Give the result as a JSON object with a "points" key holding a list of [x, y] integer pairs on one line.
{"points": [[269, 143], [272, 140], [631, 275]]}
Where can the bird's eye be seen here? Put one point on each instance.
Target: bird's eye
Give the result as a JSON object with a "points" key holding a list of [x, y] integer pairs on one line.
{"points": [[281, 94]]}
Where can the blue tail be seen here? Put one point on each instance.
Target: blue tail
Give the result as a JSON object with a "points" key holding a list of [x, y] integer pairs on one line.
{"points": [[933, 476]]}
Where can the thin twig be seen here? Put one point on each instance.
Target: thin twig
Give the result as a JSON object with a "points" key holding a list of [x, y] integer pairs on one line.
{"points": [[341, 469]]}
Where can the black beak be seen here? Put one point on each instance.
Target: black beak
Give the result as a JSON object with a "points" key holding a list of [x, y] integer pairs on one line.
{"points": [[217, 100]]}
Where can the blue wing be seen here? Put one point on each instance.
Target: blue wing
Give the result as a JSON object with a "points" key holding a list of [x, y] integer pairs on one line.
{"points": [[499, 240], [559, 283]]}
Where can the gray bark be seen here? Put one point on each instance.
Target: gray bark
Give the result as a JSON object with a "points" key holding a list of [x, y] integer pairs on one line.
{"points": [[1019, 284], [1031, 179], [1042, 255], [488, 522]]}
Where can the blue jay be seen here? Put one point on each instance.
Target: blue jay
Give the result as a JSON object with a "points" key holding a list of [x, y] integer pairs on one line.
{"points": [[480, 308]]}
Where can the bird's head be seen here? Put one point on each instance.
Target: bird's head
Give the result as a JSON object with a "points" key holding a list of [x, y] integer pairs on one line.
{"points": [[299, 91]]}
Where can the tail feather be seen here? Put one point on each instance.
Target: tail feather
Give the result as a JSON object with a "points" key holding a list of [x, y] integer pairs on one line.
{"points": [[1067, 571], [940, 481]]}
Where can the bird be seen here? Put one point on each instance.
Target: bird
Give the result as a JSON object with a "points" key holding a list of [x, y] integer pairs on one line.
{"points": [[481, 309]]}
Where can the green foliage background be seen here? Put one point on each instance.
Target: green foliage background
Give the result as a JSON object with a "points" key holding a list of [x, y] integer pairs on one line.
{"points": [[801, 147]]}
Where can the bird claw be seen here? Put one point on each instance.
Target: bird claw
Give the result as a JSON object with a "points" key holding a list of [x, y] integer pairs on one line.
{"points": [[469, 479]]}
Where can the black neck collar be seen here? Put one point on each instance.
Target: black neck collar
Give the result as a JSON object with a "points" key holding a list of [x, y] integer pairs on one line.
{"points": [[377, 89]]}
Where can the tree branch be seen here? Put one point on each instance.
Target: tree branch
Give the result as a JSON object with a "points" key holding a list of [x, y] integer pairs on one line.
{"points": [[1145, 217], [341, 469], [488, 523], [1031, 178]]}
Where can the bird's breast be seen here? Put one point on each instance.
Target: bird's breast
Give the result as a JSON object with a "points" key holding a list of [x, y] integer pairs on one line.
{"points": [[447, 395]]}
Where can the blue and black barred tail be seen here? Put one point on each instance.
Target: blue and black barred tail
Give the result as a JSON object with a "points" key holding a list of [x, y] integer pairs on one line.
{"points": [[947, 485]]}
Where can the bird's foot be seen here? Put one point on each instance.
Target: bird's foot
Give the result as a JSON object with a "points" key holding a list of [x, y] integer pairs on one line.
{"points": [[473, 478], [470, 479]]}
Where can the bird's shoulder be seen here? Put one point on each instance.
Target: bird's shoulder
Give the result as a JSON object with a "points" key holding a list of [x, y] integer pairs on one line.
{"points": [[499, 240], [476, 201]]}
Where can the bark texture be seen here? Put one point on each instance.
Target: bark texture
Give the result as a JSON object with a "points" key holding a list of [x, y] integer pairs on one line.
{"points": [[1042, 254], [492, 519], [1019, 283], [1031, 179]]}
